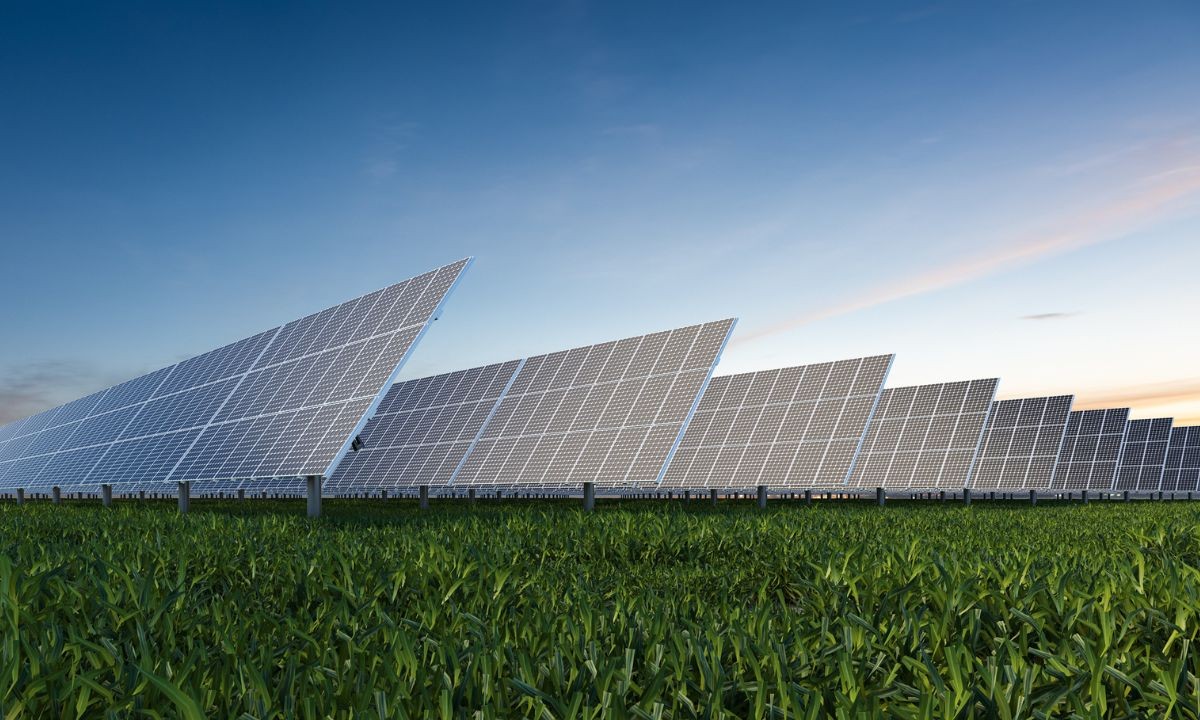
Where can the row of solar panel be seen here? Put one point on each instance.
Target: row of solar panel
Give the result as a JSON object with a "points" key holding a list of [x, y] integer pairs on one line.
{"points": [[817, 426], [638, 412]]}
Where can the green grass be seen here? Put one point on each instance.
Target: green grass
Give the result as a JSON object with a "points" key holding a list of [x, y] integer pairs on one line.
{"points": [[639, 610]]}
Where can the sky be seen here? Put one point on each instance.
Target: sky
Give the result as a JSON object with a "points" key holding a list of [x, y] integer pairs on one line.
{"points": [[986, 189]]}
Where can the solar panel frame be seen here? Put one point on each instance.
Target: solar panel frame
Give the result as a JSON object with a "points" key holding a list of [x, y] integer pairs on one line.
{"points": [[1143, 455], [1021, 443], [150, 425], [925, 436], [1181, 469], [776, 427], [1091, 450]]}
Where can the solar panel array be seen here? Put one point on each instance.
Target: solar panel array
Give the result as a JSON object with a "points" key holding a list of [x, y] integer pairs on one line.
{"points": [[925, 436], [1181, 472], [424, 429], [286, 402], [1091, 450], [793, 427], [1143, 455], [1021, 443], [610, 414]]}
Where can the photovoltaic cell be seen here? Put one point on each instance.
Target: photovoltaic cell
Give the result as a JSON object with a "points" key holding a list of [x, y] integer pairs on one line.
{"points": [[1143, 455], [1181, 472], [1021, 443], [283, 403], [796, 427], [925, 436], [1091, 450]]}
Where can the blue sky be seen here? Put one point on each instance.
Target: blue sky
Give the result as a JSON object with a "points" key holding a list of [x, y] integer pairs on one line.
{"points": [[986, 189]]}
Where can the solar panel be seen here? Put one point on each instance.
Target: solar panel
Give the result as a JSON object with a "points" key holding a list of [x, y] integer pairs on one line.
{"points": [[610, 414], [424, 429], [796, 427], [1143, 455], [1091, 450], [286, 402], [925, 436], [1181, 472], [1021, 443]]}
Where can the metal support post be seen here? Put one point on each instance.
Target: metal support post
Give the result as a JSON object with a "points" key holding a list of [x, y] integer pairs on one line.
{"points": [[589, 497], [313, 483]]}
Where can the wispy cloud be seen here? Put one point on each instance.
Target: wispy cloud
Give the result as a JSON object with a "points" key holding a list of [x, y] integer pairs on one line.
{"points": [[641, 130], [32, 388], [391, 140], [1049, 316], [1185, 390], [1152, 198], [1173, 398]]}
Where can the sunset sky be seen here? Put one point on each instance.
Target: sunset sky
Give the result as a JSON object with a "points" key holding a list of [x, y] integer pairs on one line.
{"points": [[984, 189]]}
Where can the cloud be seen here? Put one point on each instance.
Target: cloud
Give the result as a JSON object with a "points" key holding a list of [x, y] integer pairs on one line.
{"points": [[1150, 199], [391, 139], [1049, 316], [1185, 390], [642, 130], [29, 389]]}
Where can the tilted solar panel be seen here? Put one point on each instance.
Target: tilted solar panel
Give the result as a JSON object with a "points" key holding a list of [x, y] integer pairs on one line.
{"points": [[1143, 455], [286, 402], [1091, 450], [1181, 471], [925, 436], [797, 427], [609, 414], [424, 429], [1021, 443]]}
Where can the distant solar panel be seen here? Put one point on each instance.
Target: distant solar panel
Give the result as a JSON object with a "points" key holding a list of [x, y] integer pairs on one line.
{"points": [[797, 427], [1181, 472], [925, 436], [1021, 443], [1143, 455], [1091, 450], [286, 402]]}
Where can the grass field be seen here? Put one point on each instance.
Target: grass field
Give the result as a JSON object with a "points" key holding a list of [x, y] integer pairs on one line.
{"points": [[639, 610]]}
